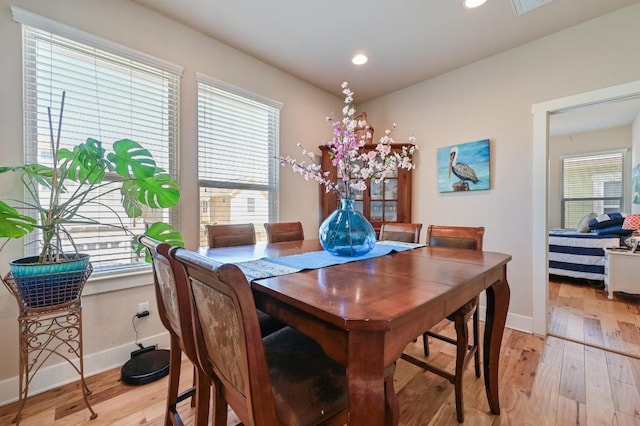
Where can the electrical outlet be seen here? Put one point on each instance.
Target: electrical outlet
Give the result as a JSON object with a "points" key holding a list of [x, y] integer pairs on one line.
{"points": [[143, 307]]}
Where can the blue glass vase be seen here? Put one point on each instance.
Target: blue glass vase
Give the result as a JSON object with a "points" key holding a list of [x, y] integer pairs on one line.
{"points": [[346, 232]]}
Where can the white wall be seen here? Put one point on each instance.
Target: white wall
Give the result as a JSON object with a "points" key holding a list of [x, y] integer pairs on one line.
{"points": [[108, 333], [612, 139]]}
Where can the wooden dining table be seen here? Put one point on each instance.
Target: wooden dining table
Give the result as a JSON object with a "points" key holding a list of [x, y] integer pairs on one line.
{"points": [[365, 312]]}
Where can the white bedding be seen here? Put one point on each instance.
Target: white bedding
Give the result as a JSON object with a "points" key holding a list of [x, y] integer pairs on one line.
{"points": [[579, 255]]}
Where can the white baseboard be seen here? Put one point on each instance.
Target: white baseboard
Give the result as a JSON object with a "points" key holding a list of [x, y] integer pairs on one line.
{"points": [[56, 375], [514, 321]]}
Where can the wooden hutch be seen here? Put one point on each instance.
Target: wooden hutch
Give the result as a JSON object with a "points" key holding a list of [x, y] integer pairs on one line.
{"points": [[386, 201]]}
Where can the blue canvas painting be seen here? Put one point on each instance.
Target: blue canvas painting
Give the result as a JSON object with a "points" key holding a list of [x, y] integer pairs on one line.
{"points": [[464, 167]]}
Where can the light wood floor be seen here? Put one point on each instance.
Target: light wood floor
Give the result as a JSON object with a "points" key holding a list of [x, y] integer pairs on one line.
{"points": [[583, 313], [542, 382]]}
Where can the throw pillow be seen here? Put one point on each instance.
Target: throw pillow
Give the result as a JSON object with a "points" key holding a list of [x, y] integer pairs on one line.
{"points": [[607, 219], [583, 224], [613, 229]]}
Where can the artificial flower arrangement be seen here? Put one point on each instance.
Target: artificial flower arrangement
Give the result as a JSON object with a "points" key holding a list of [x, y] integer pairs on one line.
{"points": [[354, 164]]}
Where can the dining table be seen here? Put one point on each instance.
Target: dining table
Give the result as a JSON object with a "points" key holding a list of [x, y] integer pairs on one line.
{"points": [[363, 312]]}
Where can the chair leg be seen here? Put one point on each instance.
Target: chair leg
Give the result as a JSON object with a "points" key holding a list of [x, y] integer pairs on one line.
{"points": [[462, 334], [425, 344], [174, 380], [195, 385], [202, 397], [476, 332], [219, 417]]}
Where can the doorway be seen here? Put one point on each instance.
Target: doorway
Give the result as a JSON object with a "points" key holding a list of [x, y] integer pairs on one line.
{"points": [[541, 128], [594, 144]]}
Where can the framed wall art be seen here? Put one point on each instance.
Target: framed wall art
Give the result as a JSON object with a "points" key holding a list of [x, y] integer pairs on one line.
{"points": [[464, 167]]}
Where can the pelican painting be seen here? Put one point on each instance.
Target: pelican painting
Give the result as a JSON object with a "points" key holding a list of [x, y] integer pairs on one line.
{"points": [[464, 167]]}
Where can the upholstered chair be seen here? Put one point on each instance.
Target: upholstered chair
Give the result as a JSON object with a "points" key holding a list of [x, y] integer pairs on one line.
{"points": [[284, 231], [231, 235], [283, 379], [405, 232]]}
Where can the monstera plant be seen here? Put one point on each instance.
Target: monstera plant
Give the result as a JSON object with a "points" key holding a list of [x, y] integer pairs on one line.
{"points": [[85, 176]]}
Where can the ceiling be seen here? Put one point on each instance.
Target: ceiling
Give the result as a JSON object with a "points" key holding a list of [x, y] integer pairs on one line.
{"points": [[407, 41]]}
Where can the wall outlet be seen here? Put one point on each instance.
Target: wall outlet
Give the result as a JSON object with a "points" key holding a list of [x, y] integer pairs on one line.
{"points": [[143, 307]]}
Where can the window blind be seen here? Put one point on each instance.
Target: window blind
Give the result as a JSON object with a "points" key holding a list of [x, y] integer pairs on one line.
{"points": [[109, 96], [591, 183], [237, 149]]}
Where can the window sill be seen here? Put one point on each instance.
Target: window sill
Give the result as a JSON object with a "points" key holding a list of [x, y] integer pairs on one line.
{"points": [[121, 280]]}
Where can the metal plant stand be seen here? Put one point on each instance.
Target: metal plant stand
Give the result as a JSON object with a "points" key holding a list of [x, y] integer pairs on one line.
{"points": [[50, 323]]}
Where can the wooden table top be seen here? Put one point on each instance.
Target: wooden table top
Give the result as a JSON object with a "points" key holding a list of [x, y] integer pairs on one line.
{"points": [[373, 293]]}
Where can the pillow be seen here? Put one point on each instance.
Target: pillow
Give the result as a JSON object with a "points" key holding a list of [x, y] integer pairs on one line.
{"points": [[613, 229], [583, 224], [607, 219]]}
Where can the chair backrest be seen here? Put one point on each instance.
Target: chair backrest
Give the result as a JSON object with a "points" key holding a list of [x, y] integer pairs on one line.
{"points": [[405, 232], [231, 235], [284, 231], [462, 237], [227, 335], [168, 285]]}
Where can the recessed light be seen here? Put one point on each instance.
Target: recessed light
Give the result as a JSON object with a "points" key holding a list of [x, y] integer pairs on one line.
{"points": [[360, 59], [473, 3]]}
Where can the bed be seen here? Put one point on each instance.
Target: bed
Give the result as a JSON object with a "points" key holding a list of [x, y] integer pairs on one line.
{"points": [[579, 255]]}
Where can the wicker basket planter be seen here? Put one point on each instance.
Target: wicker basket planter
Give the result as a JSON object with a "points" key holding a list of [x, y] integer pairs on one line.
{"points": [[49, 284]]}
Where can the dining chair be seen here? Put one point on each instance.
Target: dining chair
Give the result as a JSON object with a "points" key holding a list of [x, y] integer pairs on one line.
{"points": [[465, 238], [281, 379], [181, 338], [231, 235], [284, 231], [405, 232]]}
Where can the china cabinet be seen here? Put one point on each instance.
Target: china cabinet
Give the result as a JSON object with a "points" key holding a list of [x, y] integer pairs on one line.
{"points": [[388, 201]]}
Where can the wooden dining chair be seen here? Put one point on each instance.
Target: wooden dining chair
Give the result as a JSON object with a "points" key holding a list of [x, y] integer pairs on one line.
{"points": [[284, 231], [181, 338], [241, 235], [405, 232], [231, 235], [283, 379], [466, 238]]}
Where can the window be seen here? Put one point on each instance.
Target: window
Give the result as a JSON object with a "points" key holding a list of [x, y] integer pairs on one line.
{"points": [[591, 183], [237, 148], [112, 93]]}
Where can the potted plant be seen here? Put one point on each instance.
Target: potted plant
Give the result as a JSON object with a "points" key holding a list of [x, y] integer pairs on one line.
{"points": [[56, 193]]}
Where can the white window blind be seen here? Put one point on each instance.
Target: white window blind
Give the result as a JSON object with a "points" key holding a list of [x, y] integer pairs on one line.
{"points": [[591, 183], [109, 96], [237, 148]]}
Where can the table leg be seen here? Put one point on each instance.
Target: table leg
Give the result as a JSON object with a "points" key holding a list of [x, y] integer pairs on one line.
{"points": [[391, 407], [366, 381], [497, 306]]}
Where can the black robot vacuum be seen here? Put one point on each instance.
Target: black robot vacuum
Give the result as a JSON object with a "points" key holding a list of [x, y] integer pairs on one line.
{"points": [[145, 366]]}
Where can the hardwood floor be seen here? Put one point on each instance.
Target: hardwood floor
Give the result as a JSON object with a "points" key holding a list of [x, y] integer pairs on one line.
{"points": [[542, 382], [583, 313]]}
